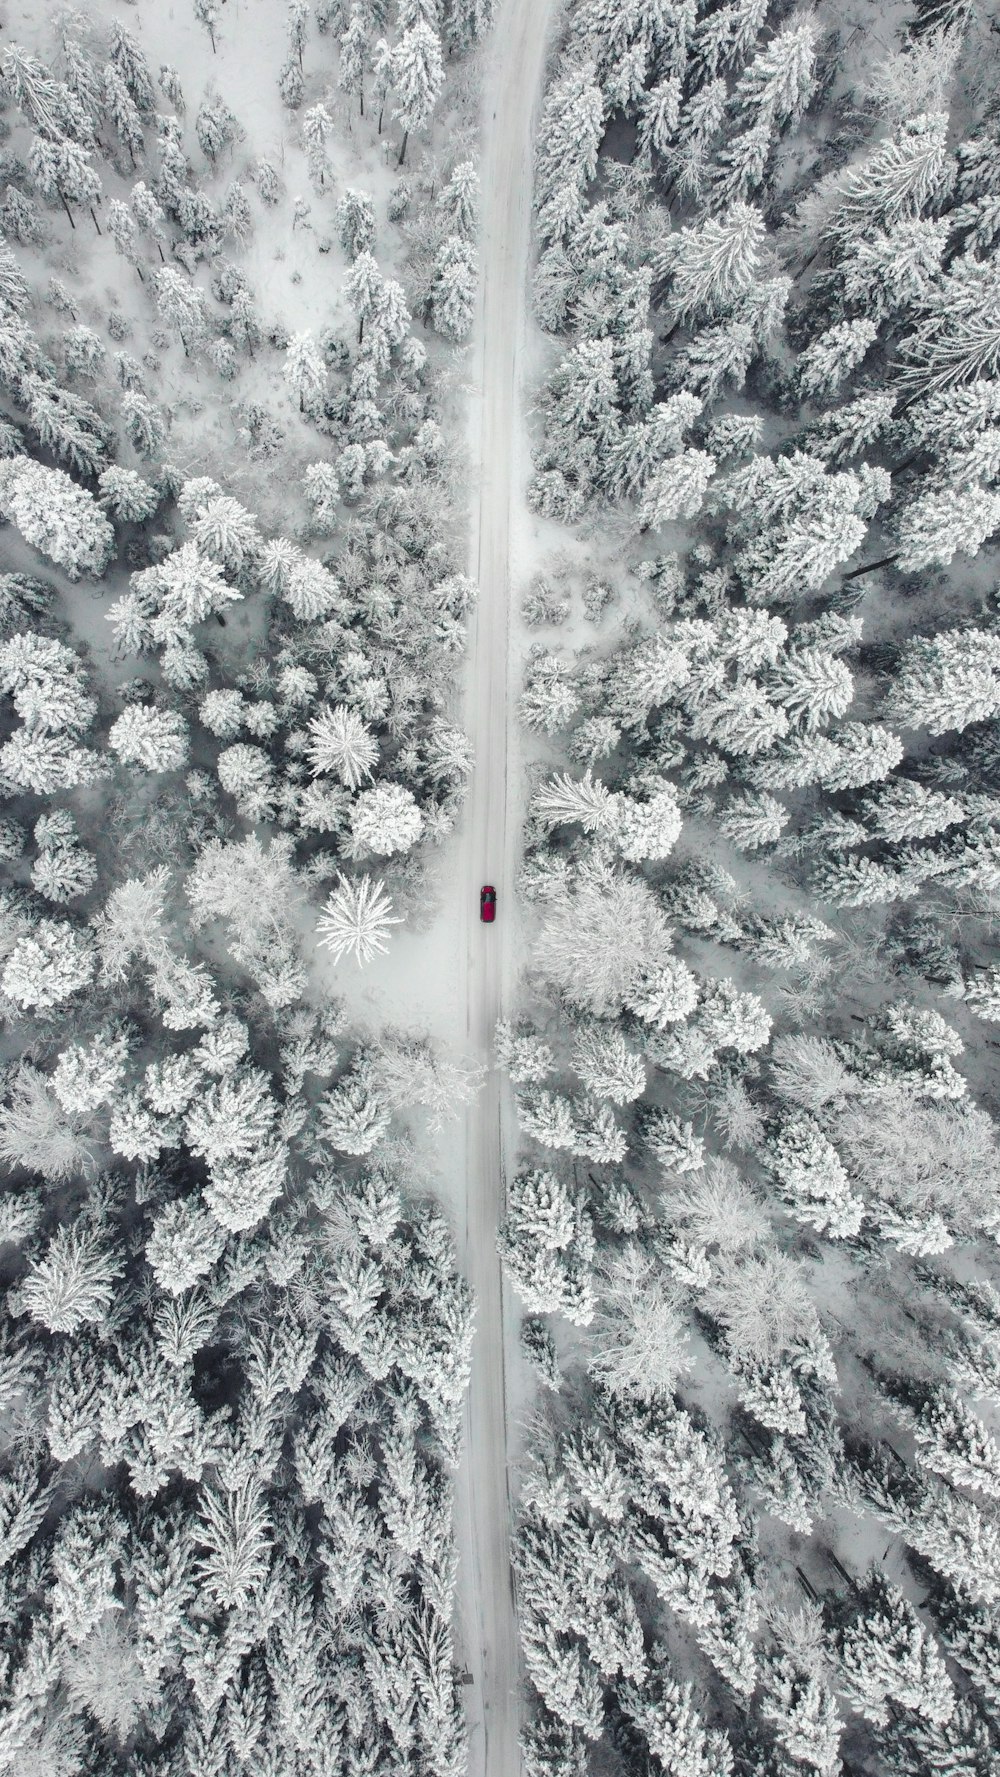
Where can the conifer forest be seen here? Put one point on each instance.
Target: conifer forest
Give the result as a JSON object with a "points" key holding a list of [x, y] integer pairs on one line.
{"points": [[500, 888]]}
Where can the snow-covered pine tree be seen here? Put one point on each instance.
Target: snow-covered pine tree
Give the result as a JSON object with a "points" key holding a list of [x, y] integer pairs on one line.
{"points": [[942, 522], [356, 919], [151, 737], [417, 76], [547, 1246], [885, 1655], [812, 1178], [712, 264], [569, 136], [306, 373], [57, 517], [947, 681]]}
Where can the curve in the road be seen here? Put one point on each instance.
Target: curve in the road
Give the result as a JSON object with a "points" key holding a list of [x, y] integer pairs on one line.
{"points": [[488, 854]]}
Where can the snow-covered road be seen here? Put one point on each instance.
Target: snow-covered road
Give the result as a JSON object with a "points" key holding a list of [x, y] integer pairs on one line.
{"points": [[488, 853]]}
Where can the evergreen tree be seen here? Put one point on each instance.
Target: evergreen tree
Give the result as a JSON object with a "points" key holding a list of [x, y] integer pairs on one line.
{"points": [[143, 423], [47, 965], [971, 1635], [57, 517], [885, 1655], [780, 80], [802, 1713], [342, 743], [363, 289], [356, 223], [184, 1244], [906, 173], [725, 38], [947, 681], [832, 356], [354, 47], [812, 685], [951, 1441], [385, 820], [571, 128], [305, 373], [812, 1179], [62, 172], [958, 338], [665, 1713], [712, 264], [356, 918], [454, 295], [353, 1116], [939, 523], [459, 199], [151, 737], [660, 115], [676, 488], [127, 496], [73, 1284], [417, 76], [866, 753], [547, 1246], [182, 306]]}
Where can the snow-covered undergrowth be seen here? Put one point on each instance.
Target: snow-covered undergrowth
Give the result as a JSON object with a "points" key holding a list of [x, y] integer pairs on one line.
{"points": [[755, 1224], [238, 250]]}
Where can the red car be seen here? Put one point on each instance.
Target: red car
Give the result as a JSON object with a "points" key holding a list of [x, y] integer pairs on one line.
{"points": [[488, 904]]}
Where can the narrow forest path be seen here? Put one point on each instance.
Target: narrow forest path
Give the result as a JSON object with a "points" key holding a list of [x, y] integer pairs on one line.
{"points": [[488, 853]]}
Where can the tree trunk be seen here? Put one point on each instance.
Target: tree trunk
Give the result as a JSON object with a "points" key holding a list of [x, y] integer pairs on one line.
{"points": [[94, 220], [361, 329], [361, 96], [211, 34], [402, 152], [381, 114], [160, 251], [869, 567], [68, 211]]}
